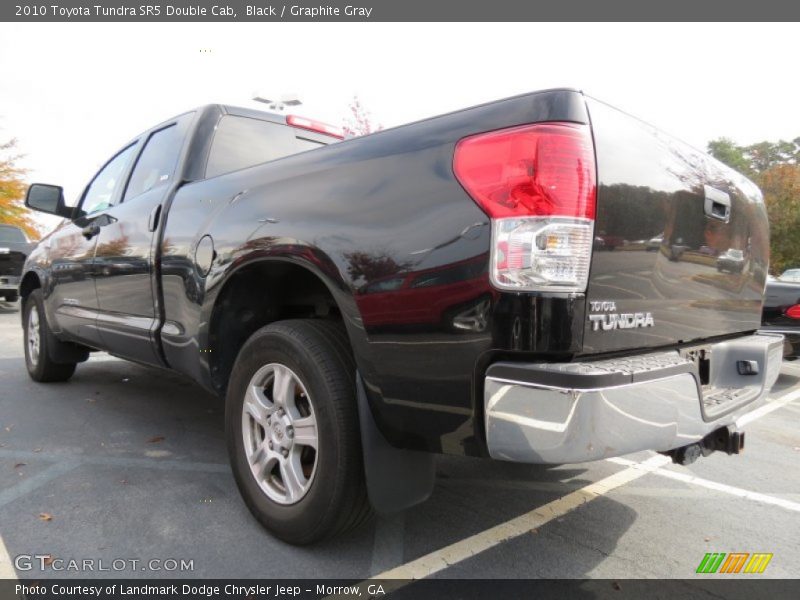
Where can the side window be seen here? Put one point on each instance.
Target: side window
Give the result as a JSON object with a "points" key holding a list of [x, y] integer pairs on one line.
{"points": [[156, 164], [241, 142], [100, 193]]}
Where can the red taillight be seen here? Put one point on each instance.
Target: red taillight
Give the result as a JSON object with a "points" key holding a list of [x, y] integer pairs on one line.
{"points": [[312, 125], [545, 169], [538, 185], [793, 312]]}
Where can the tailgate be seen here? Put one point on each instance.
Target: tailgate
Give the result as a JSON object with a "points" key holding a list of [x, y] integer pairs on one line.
{"points": [[681, 243]]}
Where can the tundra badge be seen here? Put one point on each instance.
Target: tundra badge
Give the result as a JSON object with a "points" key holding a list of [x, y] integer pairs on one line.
{"points": [[610, 319]]}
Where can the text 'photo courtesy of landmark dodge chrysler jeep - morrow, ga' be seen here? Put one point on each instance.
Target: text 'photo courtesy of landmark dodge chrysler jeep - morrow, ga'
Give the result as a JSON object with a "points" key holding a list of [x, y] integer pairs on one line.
{"points": [[364, 304]]}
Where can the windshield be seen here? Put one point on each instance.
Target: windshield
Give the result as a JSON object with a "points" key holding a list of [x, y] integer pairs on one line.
{"points": [[11, 235]]}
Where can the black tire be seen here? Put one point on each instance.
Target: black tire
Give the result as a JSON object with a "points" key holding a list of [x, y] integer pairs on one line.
{"points": [[42, 367], [318, 353]]}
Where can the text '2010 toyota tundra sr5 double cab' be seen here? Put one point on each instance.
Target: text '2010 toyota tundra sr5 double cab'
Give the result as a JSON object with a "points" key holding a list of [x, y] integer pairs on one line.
{"points": [[433, 288]]}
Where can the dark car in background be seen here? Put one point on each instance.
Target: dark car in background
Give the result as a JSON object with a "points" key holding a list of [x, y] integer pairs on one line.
{"points": [[782, 310], [14, 249]]}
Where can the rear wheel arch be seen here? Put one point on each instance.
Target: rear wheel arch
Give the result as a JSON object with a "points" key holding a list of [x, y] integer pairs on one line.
{"points": [[261, 292]]}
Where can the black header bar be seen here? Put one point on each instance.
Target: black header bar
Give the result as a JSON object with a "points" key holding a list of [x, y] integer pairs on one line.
{"points": [[399, 10]]}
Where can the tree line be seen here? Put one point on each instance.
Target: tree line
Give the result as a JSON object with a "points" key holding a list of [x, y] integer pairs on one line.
{"points": [[775, 168]]}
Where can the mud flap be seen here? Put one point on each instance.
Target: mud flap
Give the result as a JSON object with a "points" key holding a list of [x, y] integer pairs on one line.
{"points": [[396, 479]]}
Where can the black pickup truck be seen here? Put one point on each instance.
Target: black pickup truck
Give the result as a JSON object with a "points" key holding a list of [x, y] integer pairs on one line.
{"points": [[363, 304]]}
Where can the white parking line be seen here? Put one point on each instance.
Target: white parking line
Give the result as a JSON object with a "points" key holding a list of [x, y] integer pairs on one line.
{"points": [[729, 489], [775, 404], [792, 366], [713, 485], [26, 486], [6, 567], [454, 553]]}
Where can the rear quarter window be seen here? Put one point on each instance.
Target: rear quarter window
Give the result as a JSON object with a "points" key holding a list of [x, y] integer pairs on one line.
{"points": [[241, 142]]}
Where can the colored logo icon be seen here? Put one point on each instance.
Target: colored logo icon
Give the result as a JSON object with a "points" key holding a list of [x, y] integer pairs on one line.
{"points": [[734, 562]]}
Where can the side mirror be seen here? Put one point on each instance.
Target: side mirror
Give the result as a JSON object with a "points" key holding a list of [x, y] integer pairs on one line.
{"points": [[47, 199]]}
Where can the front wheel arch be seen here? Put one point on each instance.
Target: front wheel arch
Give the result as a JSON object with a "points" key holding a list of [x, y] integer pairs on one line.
{"points": [[30, 281]]}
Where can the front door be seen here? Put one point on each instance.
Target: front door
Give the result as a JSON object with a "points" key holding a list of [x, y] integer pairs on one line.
{"points": [[71, 297]]}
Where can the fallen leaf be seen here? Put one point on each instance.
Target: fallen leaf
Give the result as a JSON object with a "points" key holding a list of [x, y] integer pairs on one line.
{"points": [[45, 516], [616, 586], [155, 439], [47, 559], [706, 539], [18, 465]]}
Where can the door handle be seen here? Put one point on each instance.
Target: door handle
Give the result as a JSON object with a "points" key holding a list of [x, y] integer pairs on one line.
{"points": [[91, 230], [152, 221], [717, 204]]}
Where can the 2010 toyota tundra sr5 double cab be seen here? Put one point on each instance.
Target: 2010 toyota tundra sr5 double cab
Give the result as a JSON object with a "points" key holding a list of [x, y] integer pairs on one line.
{"points": [[478, 283]]}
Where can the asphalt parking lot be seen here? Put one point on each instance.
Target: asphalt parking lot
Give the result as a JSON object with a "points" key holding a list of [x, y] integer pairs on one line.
{"points": [[127, 462]]}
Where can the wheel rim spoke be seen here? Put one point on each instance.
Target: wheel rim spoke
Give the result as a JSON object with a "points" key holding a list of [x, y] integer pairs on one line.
{"points": [[283, 387], [305, 432], [292, 476], [262, 462], [256, 405]]}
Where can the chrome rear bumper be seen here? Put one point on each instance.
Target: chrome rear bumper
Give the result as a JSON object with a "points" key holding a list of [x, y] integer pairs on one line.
{"points": [[581, 411]]}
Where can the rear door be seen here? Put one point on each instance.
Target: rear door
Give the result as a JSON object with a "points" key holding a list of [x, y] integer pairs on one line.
{"points": [[681, 241], [125, 255]]}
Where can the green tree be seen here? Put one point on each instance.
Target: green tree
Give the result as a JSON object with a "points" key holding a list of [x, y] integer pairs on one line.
{"points": [[755, 158], [781, 187], [775, 168], [12, 192], [727, 151]]}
